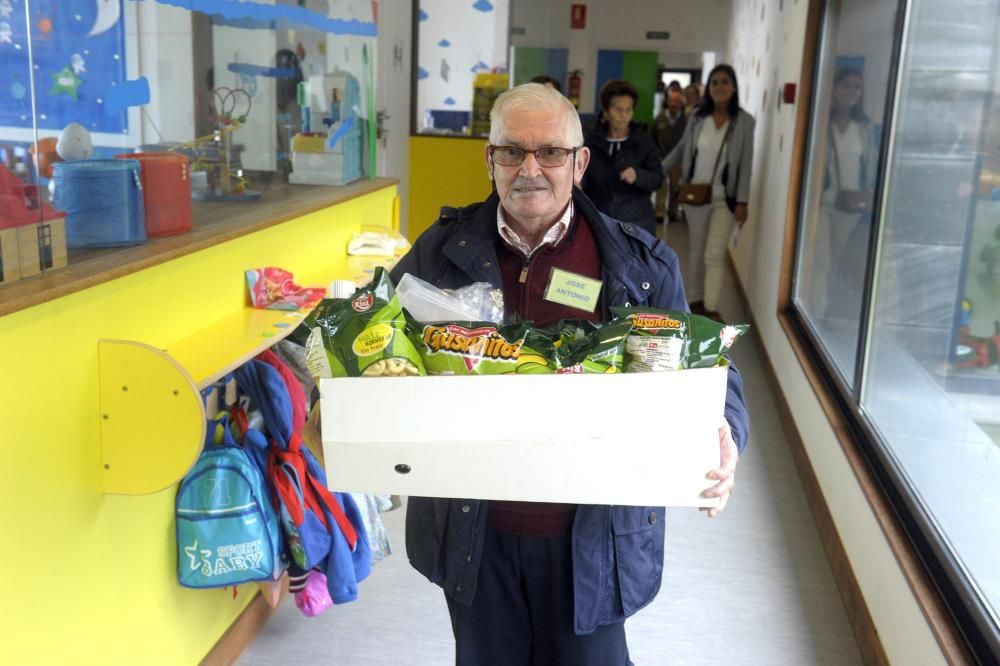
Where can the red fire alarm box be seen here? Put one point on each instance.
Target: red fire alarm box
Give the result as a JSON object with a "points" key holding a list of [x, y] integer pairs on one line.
{"points": [[789, 93], [578, 17]]}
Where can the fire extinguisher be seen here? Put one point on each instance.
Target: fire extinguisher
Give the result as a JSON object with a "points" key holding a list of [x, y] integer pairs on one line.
{"points": [[573, 89]]}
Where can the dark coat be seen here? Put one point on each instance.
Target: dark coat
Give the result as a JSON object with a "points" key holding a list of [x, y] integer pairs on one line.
{"points": [[617, 551], [603, 184]]}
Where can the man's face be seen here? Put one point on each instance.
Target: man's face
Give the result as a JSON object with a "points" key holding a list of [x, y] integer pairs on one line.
{"points": [[535, 196], [619, 114], [675, 102]]}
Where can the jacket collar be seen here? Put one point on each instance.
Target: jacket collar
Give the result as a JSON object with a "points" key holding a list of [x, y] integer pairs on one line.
{"points": [[472, 248]]}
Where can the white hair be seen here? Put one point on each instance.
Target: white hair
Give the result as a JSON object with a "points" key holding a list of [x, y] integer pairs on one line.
{"points": [[535, 96]]}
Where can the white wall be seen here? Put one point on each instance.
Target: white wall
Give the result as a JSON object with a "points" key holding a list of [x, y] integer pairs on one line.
{"points": [[472, 36], [695, 26], [165, 56], [766, 47], [394, 59]]}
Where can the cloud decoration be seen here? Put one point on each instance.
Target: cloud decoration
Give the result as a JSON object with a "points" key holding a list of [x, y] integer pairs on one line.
{"points": [[483, 6], [444, 43], [423, 15], [448, 101], [422, 73]]}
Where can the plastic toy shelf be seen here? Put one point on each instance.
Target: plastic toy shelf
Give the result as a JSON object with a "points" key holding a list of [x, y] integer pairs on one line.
{"points": [[152, 415]]}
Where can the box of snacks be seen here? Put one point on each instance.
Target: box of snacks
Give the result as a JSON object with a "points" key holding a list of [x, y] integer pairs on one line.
{"points": [[623, 412]]}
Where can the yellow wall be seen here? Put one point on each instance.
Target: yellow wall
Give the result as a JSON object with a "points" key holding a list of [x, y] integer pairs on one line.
{"points": [[90, 578], [444, 172]]}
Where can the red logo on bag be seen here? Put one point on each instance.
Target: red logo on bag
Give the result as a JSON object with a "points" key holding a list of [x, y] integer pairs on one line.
{"points": [[363, 303]]}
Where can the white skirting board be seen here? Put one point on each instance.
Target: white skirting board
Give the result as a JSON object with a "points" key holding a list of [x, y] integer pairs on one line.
{"points": [[630, 439]]}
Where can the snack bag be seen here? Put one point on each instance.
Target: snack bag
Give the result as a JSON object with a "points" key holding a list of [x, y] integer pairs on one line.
{"points": [[708, 340], [569, 331], [695, 341], [601, 350], [482, 348], [656, 342], [364, 335]]}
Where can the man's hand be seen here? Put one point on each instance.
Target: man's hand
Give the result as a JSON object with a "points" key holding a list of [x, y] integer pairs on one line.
{"points": [[740, 214], [628, 175], [726, 473]]}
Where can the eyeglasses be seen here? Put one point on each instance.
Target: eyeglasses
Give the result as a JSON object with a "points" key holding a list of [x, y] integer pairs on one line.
{"points": [[549, 156]]}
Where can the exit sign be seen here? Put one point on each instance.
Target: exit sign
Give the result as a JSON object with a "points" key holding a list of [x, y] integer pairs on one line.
{"points": [[657, 35]]}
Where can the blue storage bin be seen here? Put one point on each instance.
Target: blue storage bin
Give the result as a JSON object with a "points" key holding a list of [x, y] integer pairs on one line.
{"points": [[102, 200]]}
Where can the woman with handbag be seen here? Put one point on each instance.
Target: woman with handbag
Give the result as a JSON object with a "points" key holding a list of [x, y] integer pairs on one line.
{"points": [[846, 202], [716, 154]]}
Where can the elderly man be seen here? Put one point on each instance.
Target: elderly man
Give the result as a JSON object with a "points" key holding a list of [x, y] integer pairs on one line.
{"points": [[533, 583], [668, 128]]}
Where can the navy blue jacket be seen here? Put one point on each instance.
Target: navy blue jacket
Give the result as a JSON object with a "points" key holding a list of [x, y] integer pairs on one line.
{"points": [[617, 550]]}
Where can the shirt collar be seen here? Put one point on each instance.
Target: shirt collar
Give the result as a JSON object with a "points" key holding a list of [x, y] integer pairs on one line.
{"points": [[552, 237]]}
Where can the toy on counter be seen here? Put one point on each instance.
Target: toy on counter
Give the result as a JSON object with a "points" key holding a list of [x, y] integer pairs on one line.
{"points": [[216, 154], [32, 233], [74, 143], [333, 156], [103, 202], [166, 191], [275, 289]]}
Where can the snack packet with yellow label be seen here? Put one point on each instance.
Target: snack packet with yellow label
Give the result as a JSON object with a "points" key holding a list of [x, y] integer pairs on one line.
{"points": [[673, 340], [364, 335], [483, 348]]}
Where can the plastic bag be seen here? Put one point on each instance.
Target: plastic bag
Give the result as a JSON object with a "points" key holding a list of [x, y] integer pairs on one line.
{"points": [[425, 302], [314, 598]]}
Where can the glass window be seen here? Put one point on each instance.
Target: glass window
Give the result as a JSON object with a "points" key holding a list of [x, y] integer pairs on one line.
{"points": [[137, 120], [932, 379], [923, 257], [843, 162]]}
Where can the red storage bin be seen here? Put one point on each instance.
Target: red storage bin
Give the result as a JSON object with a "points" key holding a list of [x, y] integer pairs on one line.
{"points": [[166, 192]]}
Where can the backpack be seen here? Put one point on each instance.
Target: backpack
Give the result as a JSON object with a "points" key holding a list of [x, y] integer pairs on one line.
{"points": [[311, 516], [227, 529]]}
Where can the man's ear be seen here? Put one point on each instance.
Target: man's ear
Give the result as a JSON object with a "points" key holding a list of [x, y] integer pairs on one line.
{"points": [[582, 160], [489, 161]]}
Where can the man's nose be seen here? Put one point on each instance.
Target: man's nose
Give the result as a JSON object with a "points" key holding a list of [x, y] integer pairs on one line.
{"points": [[530, 167]]}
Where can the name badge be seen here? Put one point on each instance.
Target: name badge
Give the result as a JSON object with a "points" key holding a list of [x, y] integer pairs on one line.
{"points": [[572, 290]]}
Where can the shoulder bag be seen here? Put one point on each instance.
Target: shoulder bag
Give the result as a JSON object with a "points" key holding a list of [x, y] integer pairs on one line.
{"points": [[700, 194]]}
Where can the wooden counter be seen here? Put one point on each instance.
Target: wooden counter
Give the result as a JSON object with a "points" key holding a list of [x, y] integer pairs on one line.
{"points": [[214, 223]]}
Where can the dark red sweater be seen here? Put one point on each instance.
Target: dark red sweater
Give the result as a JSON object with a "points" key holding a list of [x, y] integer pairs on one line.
{"points": [[524, 284]]}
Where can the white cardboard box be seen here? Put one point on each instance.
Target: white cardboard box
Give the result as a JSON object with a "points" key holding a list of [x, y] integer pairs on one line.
{"points": [[630, 439]]}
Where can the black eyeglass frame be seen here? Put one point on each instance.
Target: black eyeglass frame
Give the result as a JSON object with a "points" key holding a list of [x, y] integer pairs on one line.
{"points": [[567, 153]]}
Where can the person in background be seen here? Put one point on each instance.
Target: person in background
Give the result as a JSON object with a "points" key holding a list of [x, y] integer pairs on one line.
{"points": [[525, 582], [717, 150], [691, 99], [624, 161], [845, 205], [673, 85], [668, 128], [547, 80]]}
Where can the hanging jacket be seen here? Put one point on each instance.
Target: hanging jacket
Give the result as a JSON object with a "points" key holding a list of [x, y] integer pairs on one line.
{"points": [[617, 551]]}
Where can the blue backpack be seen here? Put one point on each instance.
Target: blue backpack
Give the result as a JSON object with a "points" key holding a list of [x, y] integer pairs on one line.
{"points": [[227, 529]]}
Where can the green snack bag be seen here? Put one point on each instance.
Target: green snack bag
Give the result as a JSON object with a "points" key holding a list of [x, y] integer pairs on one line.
{"points": [[657, 340], [708, 340], [364, 335], [482, 348], [601, 351]]}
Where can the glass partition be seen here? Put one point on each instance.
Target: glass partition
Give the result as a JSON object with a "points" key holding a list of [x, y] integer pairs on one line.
{"points": [[897, 271], [153, 118]]}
